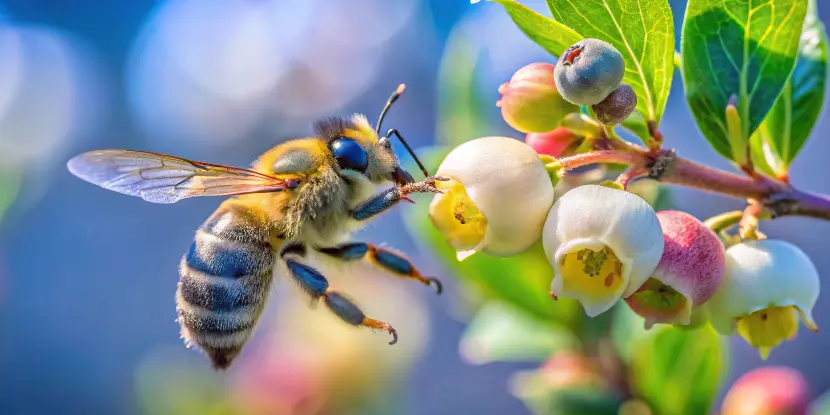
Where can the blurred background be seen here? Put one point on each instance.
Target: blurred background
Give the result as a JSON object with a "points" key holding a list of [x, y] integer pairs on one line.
{"points": [[87, 277]]}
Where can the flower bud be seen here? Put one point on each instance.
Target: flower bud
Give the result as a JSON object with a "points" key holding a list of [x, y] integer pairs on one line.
{"points": [[603, 244], [530, 102], [768, 391], [496, 200], [688, 275], [767, 285], [569, 369], [552, 143]]}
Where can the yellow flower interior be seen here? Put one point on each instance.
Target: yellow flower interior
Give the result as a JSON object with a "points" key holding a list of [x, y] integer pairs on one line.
{"points": [[663, 303], [457, 217], [591, 275], [767, 328]]}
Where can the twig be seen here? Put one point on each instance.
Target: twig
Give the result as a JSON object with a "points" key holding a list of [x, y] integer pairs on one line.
{"points": [[779, 198], [632, 172]]}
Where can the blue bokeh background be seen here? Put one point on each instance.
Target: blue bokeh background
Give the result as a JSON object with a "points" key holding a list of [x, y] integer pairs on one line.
{"points": [[87, 276]]}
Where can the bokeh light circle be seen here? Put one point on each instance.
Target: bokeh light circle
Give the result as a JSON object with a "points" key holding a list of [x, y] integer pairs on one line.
{"points": [[50, 92]]}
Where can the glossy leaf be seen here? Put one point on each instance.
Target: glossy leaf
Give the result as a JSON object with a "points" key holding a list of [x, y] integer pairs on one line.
{"points": [[461, 113], [643, 32], [785, 130], [551, 35], [522, 280], [627, 331], [636, 124], [167, 386], [9, 189], [677, 370], [544, 399], [503, 333], [740, 48]]}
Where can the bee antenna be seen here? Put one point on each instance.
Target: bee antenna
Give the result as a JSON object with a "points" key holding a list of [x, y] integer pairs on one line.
{"points": [[394, 97], [409, 149]]}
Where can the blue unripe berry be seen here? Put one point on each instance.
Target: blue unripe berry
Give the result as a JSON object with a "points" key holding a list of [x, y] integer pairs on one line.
{"points": [[588, 72]]}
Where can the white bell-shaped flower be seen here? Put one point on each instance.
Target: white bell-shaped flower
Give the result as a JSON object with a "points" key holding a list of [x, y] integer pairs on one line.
{"points": [[603, 243], [767, 285], [496, 200]]}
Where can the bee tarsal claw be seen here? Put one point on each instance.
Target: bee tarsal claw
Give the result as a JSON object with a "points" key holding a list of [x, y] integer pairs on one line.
{"points": [[439, 288], [394, 334]]}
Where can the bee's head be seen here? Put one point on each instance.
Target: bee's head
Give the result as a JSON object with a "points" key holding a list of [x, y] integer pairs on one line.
{"points": [[360, 150]]}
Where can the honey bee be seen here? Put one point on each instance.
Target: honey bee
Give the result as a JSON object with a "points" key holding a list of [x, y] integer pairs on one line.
{"points": [[303, 194]]}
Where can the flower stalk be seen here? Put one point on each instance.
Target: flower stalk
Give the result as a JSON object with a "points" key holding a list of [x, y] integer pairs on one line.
{"points": [[778, 198], [724, 221]]}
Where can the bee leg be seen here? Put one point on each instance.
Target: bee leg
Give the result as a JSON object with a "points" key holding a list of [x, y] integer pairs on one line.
{"points": [[385, 199], [389, 260], [317, 286]]}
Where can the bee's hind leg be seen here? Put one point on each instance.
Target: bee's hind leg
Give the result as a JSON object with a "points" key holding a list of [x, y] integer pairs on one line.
{"points": [[317, 286], [387, 259]]}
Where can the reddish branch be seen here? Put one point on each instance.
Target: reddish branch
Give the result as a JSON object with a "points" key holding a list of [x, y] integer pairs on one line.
{"points": [[780, 198]]}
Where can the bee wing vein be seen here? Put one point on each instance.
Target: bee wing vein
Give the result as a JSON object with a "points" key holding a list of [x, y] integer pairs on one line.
{"points": [[160, 178]]}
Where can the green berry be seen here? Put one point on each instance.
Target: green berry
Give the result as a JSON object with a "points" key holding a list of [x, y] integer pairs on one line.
{"points": [[589, 71], [530, 102]]}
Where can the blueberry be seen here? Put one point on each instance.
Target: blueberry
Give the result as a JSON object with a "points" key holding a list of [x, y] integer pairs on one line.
{"points": [[589, 71], [617, 106]]}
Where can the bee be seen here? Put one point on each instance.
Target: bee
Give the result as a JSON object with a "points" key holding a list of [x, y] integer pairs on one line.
{"points": [[301, 195]]}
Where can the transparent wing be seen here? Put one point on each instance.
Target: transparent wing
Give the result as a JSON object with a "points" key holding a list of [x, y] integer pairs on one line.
{"points": [[159, 178]]}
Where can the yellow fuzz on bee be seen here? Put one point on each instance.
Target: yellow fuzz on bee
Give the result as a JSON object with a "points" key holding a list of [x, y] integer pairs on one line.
{"points": [[767, 328], [591, 275], [456, 216]]}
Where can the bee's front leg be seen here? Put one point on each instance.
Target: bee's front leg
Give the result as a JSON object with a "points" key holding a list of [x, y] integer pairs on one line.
{"points": [[390, 197], [317, 286], [387, 259]]}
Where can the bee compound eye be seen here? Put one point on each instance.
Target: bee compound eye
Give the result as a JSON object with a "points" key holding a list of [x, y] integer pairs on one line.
{"points": [[349, 154]]}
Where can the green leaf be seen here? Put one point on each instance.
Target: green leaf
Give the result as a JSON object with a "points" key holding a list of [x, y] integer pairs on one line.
{"points": [[543, 399], [785, 130], [679, 371], [503, 333], [627, 332], [741, 48], [167, 385], [551, 35], [636, 124], [9, 189], [461, 112], [643, 32], [522, 280]]}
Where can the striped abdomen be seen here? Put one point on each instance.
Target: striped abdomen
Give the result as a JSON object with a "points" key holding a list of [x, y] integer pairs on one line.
{"points": [[224, 281]]}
